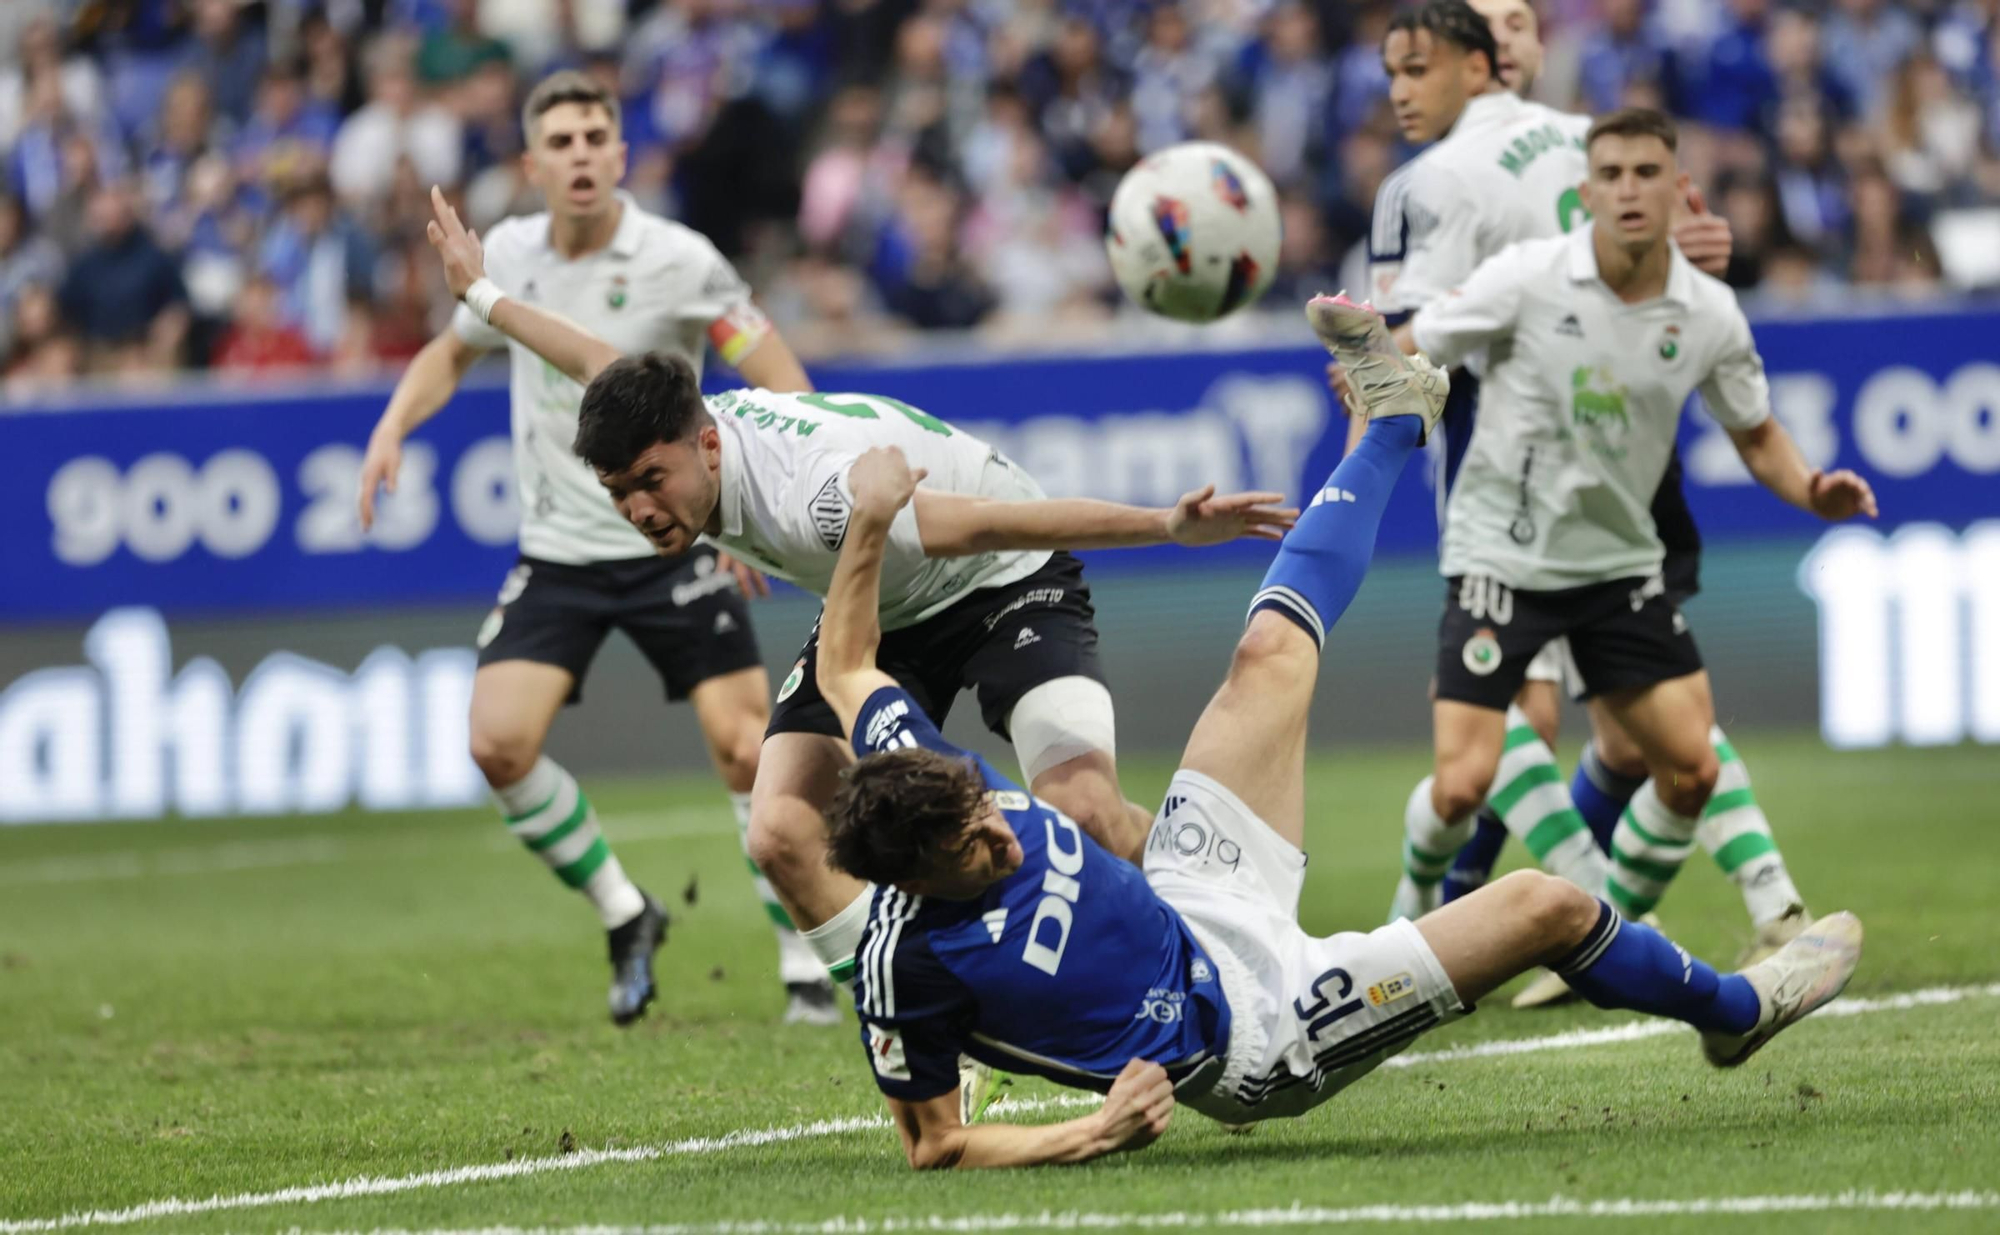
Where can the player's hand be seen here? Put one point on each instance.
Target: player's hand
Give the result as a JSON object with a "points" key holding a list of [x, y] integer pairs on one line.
{"points": [[1704, 238], [378, 470], [1137, 1109], [1343, 390], [1202, 518], [749, 580], [464, 259], [1840, 495], [882, 481]]}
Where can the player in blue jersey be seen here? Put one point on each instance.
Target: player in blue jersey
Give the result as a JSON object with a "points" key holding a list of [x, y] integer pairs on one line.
{"points": [[1002, 931]]}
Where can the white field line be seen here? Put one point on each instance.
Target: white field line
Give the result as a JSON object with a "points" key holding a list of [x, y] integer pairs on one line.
{"points": [[327, 848], [308, 1194], [1292, 1215]]}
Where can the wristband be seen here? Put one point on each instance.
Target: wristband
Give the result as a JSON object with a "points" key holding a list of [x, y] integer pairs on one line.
{"points": [[482, 296]]}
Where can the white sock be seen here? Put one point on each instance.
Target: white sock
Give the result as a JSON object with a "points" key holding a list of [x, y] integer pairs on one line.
{"points": [[547, 812], [1530, 796], [796, 962], [834, 940], [1736, 834], [1647, 850], [1429, 843]]}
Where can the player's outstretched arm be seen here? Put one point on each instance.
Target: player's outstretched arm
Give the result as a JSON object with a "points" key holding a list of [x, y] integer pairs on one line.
{"points": [[959, 525], [1135, 1112], [850, 626], [423, 390], [579, 354], [1774, 459]]}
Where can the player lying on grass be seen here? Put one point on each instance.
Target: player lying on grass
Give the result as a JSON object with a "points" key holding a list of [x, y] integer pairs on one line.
{"points": [[1003, 931], [979, 591], [1596, 340]]}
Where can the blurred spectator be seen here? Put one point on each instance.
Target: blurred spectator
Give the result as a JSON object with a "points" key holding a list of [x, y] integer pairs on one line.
{"points": [[456, 50], [398, 123], [124, 294], [290, 133], [1070, 90], [315, 255], [41, 355], [1624, 52], [1931, 133], [260, 342], [1288, 85], [917, 262], [1169, 74], [168, 152], [1811, 191], [1866, 40], [1749, 200], [1735, 84], [1888, 247], [78, 86], [27, 259], [226, 54]]}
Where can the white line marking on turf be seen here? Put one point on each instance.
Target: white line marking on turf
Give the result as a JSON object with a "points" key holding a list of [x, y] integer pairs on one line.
{"points": [[1293, 1215], [375, 1185]]}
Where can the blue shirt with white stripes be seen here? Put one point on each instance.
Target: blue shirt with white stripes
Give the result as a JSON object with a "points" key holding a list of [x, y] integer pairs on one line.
{"points": [[1069, 968]]}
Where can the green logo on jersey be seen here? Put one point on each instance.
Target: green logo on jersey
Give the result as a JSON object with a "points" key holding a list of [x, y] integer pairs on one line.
{"points": [[1596, 402], [615, 298], [1532, 145]]}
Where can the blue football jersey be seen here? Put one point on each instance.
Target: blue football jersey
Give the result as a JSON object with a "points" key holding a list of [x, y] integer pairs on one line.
{"points": [[1069, 968]]}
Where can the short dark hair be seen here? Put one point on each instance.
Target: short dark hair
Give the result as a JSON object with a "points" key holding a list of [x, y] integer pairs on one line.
{"points": [[636, 403], [1454, 22], [567, 86], [902, 814], [1634, 122]]}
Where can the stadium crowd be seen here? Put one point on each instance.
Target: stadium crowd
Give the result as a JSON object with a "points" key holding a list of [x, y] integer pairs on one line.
{"points": [[240, 186]]}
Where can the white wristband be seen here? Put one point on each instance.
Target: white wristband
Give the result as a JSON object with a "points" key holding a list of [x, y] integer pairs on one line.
{"points": [[482, 296]]}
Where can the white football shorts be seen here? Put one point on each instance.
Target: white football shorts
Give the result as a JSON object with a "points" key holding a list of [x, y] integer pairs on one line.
{"points": [[1308, 1016]]}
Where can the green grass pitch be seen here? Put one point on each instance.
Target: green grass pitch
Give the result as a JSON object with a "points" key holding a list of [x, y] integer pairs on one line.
{"points": [[190, 1009]]}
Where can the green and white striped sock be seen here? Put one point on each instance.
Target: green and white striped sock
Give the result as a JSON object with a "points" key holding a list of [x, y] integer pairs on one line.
{"points": [[1647, 850], [1531, 797], [1429, 843], [834, 940], [547, 812], [796, 961], [1737, 835]]}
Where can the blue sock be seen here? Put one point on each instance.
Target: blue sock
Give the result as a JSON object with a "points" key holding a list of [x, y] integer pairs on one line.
{"points": [[1631, 965], [1600, 794], [1320, 565], [1474, 864]]}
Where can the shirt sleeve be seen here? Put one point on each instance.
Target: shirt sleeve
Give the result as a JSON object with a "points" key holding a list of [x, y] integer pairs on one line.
{"points": [[721, 305], [1442, 247], [1735, 391], [914, 1013], [1467, 318], [890, 718]]}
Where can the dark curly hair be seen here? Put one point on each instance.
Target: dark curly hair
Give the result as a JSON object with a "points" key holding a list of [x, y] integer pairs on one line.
{"points": [[634, 404], [1454, 22], [902, 814]]}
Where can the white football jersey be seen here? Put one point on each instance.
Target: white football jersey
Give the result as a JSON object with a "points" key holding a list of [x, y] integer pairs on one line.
{"points": [[785, 497], [658, 286], [1509, 170], [1579, 409]]}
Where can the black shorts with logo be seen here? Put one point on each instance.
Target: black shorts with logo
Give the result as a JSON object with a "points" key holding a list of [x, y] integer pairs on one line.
{"points": [[1622, 634], [1000, 641], [687, 618]]}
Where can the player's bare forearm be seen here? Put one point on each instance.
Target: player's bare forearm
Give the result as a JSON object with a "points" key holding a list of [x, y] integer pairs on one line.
{"points": [[579, 354], [428, 383], [772, 366], [934, 1139], [958, 525], [1774, 459], [850, 626]]}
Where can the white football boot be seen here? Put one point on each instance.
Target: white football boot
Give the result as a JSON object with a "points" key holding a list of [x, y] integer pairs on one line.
{"points": [[1799, 978], [1381, 379], [1775, 934]]}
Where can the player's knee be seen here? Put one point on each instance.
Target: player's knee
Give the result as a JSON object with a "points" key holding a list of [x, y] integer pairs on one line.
{"points": [[1559, 912], [784, 835], [1684, 785], [1460, 786], [1272, 643], [504, 758], [736, 757], [1098, 808]]}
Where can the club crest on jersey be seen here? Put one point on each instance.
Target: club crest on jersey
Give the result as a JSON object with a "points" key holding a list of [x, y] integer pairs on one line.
{"points": [[1171, 217], [1670, 344], [1199, 972], [615, 298], [1389, 990], [792, 681], [1481, 653], [1228, 187], [829, 509]]}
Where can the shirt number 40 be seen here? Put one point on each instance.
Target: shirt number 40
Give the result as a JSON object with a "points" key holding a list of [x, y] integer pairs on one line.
{"points": [[1319, 1016], [863, 407]]}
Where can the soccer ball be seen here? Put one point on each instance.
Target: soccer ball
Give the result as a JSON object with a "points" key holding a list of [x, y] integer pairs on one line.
{"points": [[1194, 231]]}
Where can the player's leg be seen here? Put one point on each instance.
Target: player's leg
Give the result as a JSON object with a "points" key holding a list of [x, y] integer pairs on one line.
{"points": [[1670, 722], [797, 774], [1528, 919], [1540, 703], [1609, 772], [1064, 733], [1738, 838]]}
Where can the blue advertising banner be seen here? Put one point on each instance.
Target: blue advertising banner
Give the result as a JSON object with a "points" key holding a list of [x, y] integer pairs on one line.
{"points": [[231, 502]]}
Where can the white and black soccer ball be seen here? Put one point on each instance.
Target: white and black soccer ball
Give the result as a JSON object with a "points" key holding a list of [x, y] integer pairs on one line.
{"points": [[1193, 233]]}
